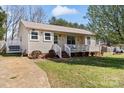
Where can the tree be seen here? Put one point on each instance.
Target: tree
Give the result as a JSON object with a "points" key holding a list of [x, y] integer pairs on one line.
{"points": [[2, 20], [81, 26], [17, 13], [14, 15], [35, 14], [62, 22], [59, 21], [52, 20], [107, 22]]}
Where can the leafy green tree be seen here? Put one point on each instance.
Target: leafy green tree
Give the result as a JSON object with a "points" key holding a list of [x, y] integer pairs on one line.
{"points": [[52, 20], [76, 25], [62, 22], [81, 26], [107, 22], [2, 20]]}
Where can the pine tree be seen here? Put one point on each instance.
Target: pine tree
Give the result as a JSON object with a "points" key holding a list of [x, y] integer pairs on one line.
{"points": [[107, 22], [2, 20]]}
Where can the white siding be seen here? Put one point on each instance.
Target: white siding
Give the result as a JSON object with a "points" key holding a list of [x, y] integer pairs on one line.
{"points": [[92, 40], [23, 35], [43, 46]]}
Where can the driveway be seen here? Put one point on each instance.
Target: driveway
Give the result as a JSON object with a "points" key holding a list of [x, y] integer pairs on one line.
{"points": [[21, 72]]}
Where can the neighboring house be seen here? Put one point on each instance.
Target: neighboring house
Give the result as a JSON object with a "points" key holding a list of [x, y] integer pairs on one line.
{"points": [[44, 37]]}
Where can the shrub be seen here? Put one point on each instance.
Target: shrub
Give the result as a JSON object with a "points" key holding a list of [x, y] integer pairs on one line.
{"points": [[35, 54], [52, 54]]}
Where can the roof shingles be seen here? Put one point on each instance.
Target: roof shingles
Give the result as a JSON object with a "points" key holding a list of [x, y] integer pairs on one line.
{"points": [[55, 28]]}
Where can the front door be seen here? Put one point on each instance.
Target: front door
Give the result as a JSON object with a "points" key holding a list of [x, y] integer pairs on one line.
{"points": [[55, 39], [70, 40]]}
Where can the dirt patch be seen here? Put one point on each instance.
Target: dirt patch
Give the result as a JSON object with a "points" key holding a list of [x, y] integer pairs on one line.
{"points": [[21, 72]]}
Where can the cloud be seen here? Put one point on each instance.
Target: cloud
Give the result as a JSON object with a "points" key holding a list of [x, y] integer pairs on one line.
{"points": [[63, 10]]}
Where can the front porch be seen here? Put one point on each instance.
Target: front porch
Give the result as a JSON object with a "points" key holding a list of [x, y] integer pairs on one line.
{"points": [[72, 50], [75, 44]]}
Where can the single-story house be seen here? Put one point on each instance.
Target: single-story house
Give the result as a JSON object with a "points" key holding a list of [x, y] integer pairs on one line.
{"points": [[44, 37]]}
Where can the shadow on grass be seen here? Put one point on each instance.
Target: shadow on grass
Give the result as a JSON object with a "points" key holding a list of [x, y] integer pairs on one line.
{"points": [[94, 61]]}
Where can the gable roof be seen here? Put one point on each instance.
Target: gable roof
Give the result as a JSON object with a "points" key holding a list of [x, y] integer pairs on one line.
{"points": [[55, 28]]}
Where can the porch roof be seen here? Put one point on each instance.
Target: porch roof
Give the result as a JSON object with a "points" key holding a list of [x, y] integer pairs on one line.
{"points": [[55, 28]]}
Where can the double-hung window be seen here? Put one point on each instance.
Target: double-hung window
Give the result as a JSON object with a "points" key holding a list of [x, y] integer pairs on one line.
{"points": [[47, 36], [34, 35]]}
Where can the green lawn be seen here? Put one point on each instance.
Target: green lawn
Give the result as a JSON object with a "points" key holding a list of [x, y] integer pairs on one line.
{"points": [[107, 71]]}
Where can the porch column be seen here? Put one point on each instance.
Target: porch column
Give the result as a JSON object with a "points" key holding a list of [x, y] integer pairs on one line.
{"points": [[85, 40]]}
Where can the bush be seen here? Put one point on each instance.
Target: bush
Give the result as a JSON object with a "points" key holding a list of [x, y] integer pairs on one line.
{"points": [[35, 54], [52, 54]]}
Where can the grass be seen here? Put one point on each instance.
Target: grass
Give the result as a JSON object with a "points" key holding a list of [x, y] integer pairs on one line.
{"points": [[89, 72]]}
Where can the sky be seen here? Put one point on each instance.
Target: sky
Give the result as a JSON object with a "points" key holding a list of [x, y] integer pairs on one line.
{"points": [[71, 13]]}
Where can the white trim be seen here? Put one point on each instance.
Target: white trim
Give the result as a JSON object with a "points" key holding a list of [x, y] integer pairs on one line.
{"points": [[88, 40], [50, 36], [57, 38], [31, 36]]}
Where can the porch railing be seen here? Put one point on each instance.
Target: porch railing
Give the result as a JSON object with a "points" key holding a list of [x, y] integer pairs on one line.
{"points": [[93, 48], [67, 49], [13, 42], [57, 50], [85, 48]]}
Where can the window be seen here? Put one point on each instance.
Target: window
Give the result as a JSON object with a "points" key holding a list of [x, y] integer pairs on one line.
{"points": [[71, 40], [55, 39], [47, 36], [34, 35], [88, 41]]}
